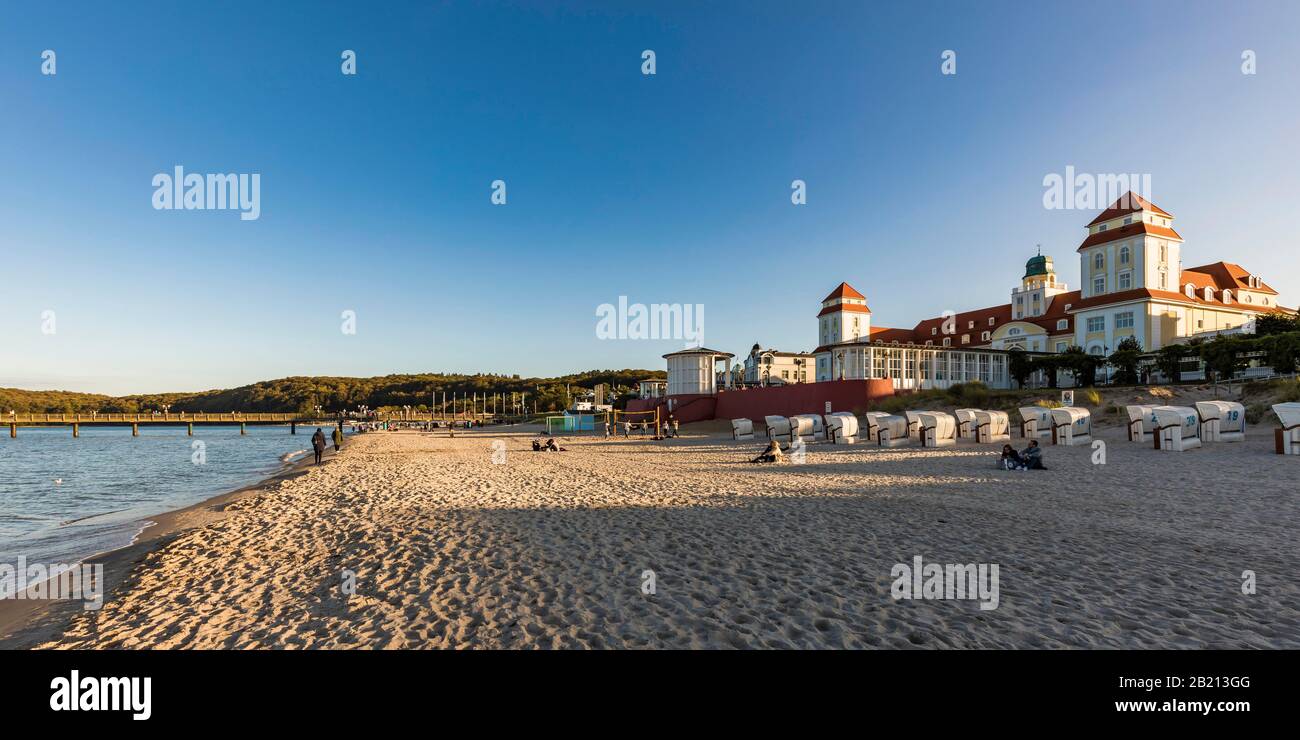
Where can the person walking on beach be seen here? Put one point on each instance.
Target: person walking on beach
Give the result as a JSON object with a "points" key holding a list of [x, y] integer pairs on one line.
{"points": [[318, 444], [338, 439]]}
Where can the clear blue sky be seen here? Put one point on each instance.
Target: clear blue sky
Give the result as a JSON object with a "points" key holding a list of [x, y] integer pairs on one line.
{"points": [[924, 190]]}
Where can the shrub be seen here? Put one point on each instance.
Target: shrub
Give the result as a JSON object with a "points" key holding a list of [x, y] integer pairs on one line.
{"points": [[1092, 397]]}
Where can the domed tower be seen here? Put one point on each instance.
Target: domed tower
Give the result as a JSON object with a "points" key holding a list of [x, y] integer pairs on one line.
{"points": [[1036, 289]]}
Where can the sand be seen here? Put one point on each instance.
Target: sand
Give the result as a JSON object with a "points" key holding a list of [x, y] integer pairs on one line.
{"points": [[449, 550]]}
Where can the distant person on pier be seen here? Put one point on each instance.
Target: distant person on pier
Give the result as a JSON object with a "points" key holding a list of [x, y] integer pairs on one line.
{"points": [[338, 439], [318, 444]]}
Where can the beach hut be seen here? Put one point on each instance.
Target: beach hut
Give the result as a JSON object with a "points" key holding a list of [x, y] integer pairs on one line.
{"points": [[817, 430], [1071, 425], [1287, 437], [938, 429], [871, 424], [1141, 421], [914, 423], [1221, 421], [842, 428], [992, 426], [1176, 428], [966, 423], [892, 431], [1035, 421], [742, 429], [778, 427]]}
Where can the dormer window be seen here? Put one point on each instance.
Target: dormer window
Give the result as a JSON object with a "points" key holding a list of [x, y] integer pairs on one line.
{"points": [[1062, 324], [1101, 228], [1069, 306], [1190, 290], [947, 341], [934, 330], [1227, 296], [1128, 220], [985, 337], [970, 324], [1208, 293], [991, 320], [965, 339]]}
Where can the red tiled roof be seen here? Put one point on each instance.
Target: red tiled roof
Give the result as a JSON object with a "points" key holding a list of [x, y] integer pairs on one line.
{"points": [[849, 307], [1129, 202], [999, 314], [1141, 227], [1165, 295], [844, 291], [1220, 276]]}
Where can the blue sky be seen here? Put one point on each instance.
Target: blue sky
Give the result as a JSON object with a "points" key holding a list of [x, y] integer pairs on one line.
{"points": [[924, 190]]}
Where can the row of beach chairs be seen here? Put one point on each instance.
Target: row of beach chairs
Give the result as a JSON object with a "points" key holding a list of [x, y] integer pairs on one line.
{"points": [[1170, 428]]}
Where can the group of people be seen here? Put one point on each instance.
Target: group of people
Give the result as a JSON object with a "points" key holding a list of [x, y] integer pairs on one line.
{"points": [[318, 443], [550, 446], [1030, 458]]}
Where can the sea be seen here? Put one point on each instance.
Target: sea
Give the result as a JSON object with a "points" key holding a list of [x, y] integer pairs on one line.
{"points": [[63, 499]]}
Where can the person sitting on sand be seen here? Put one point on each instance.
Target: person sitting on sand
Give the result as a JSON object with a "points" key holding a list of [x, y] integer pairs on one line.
{"points": [[537, 446], [1011, 459], [1032, 456], [772, 454], [551, 447]]}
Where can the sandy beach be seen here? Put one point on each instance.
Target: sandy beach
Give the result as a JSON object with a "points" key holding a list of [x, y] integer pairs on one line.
{"points": [[412, 540]]}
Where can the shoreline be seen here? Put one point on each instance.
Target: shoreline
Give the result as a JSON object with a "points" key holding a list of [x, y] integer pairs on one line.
{"points": [[25, 623]]}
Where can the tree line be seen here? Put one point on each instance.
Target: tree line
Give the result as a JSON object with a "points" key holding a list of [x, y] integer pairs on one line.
{"points": [[336, 394]]}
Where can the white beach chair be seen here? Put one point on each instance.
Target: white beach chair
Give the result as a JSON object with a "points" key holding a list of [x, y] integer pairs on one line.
{"points": [[871, 424], [778, 427], [1071, 425], [938, 429], [1176, 428], [1221, 421], [842, 428], [966, 423], [1287, 437], [802, 428], [742, 429], [914, 423], [1141, 421], [992, 426], [1035, 421], [815, 431], [892, 431]]}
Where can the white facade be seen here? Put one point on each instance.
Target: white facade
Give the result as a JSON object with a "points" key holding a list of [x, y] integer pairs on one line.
{"points": [[691, 371]]}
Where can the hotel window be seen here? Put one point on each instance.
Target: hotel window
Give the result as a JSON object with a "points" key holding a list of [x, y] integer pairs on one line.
{"points": [[1062, 323], [1164, 251], [1060, 346], [1098, 261], [934, 330], [1124, 320], [1099, 285], [1164, 279], [970, 324], [984, 368], [1128, 220], [1013, 332], [1096, 323], [785, 374], [991, 320], [947, 341], [985, 337], [965, 339], [929, 342], [1125, 280], [1123, 255], [1101, 228]]}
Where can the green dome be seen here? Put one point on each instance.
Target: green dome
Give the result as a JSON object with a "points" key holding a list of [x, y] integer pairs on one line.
{"points": [[1038, 265]]}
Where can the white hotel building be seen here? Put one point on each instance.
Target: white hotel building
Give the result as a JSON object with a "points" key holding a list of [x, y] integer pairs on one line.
{"points": [[1134, 284]]}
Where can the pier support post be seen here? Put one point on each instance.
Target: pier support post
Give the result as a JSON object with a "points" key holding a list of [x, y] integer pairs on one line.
{"points": [[135, 429], [13, 430], [190, 430], [293, 427], [242, 430], [76, 430]]}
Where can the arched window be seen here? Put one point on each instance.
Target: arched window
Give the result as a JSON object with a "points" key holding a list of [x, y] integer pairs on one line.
{"points": [[1098, 261], [1227, 295], [1190, 290], [1013, 332], [1124, 255]]}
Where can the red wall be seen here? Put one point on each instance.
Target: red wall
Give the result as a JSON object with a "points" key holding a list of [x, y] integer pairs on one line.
{"points": [[856, 396]]}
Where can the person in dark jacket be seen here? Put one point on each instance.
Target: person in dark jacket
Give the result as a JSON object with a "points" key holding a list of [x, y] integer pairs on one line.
{"points": [[338, 439], [1011, 459], [318, 444], [1033, 456]]}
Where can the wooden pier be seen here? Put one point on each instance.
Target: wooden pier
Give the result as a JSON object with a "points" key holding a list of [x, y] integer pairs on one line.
{"points": [[234, 418]]}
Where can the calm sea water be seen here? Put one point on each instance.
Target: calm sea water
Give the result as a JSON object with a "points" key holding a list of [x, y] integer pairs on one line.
{"points": [[64, 499]]}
